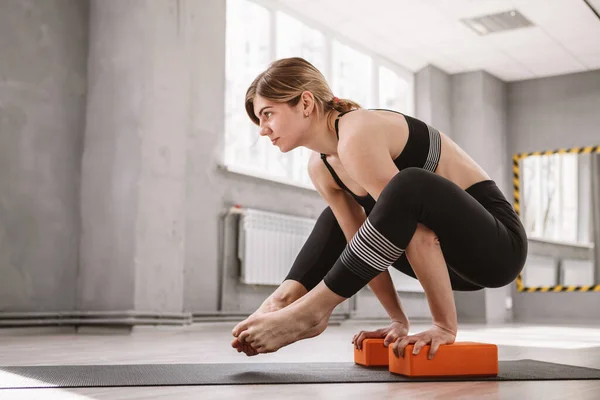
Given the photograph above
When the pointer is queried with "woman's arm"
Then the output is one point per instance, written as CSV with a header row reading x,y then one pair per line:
x,y
351,216
386,293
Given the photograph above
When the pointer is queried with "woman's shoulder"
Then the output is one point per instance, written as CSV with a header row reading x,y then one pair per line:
x,y
356,115
360,127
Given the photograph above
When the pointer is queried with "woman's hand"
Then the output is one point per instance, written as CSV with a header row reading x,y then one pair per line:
x,y
435,336
390,334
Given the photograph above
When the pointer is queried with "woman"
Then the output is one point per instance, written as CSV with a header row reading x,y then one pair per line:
x,y
400,193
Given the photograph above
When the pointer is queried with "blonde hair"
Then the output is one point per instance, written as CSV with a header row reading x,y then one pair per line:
x,y
286,79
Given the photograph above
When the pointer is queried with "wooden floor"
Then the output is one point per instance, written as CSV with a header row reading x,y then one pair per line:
x,y
207,343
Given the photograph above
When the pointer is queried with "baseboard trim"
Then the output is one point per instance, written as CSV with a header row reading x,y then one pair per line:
x,y
91,318
236,317
121,318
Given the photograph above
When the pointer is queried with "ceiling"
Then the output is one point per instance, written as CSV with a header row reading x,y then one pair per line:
x,y
565,37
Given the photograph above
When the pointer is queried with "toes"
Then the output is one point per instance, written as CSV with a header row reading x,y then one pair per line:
x,y
247,349
239,328
264,350
245,337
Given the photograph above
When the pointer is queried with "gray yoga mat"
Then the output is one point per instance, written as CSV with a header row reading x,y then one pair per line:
x,y
70,376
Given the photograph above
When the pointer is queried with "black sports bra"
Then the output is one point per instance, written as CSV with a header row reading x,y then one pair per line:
x,y
422,150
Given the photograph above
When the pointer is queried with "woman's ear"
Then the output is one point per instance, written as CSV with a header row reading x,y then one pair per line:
x,y
308,102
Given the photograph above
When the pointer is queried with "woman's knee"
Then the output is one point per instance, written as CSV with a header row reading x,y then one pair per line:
x,y
410,177
409,186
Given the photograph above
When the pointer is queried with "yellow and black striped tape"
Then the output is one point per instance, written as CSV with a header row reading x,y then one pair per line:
x,y
516,193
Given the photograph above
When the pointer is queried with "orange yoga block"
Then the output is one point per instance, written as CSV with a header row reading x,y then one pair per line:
x,y
457,359
372,354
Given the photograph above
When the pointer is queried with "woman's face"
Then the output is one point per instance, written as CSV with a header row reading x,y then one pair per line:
x,y
285,126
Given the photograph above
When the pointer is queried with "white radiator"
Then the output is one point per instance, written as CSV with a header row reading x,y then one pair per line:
x,y
268,245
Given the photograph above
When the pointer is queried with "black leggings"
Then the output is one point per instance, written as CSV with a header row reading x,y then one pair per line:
x,y
481,237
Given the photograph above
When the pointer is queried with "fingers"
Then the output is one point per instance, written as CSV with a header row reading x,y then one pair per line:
x,y
390,338
421,340
418,346
358,339
435,345
361,336
401,344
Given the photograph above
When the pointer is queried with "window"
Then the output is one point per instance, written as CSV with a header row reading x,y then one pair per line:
x,y
351,71
295,39
258,34
555,197
248,52
394,91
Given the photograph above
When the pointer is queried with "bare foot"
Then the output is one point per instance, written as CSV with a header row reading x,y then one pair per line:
x,y
270,305
268,333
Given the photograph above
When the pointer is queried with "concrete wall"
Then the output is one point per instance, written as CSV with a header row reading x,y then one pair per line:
x,y
133,167
555,112
433,97
546,114
479,126
43,52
